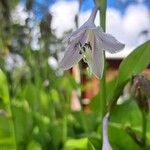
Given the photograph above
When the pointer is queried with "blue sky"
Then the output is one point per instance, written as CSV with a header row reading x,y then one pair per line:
x,y
41,6
125,20
117,4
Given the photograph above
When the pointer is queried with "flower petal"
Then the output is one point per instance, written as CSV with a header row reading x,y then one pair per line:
x,y
108,42
74,37
71,57
95,58
98,59
98,63
87,25
106,145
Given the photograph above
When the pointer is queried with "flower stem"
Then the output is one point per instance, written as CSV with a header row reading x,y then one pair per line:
x,y
103,80
103,89
103,13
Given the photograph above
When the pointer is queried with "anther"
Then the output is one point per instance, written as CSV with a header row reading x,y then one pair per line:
x,y
89,45
80,44
80,52
83,48
86,44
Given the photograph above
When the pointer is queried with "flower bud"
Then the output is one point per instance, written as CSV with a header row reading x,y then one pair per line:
x,y
140,89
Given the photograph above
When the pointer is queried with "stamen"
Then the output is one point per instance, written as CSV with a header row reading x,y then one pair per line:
x,y
80,52
80,44
88,45
83,48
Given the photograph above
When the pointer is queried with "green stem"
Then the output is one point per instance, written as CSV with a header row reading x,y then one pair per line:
x,y
13,126
103,13
144,126
103,90
65,128
103,80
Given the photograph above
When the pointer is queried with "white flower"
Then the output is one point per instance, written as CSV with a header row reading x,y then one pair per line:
x,y
88,42
106,145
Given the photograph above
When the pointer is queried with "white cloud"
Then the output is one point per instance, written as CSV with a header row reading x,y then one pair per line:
x,y
63,16
114,23
126,28
136,19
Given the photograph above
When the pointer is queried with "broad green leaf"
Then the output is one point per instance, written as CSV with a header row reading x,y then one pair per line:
x,y
127,113
134,63
96,141
120,140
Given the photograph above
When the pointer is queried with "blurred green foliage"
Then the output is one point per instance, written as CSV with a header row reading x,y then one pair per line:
x,y
35,98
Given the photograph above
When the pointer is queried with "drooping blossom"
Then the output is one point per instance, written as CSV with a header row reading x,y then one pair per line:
x,y
89,42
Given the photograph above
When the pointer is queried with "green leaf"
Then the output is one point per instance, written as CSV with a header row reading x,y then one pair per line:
x,y
56,132
4,94
134,63
120,140
79,144
34,145
7,138
22,121
31,93
127,114
86,121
